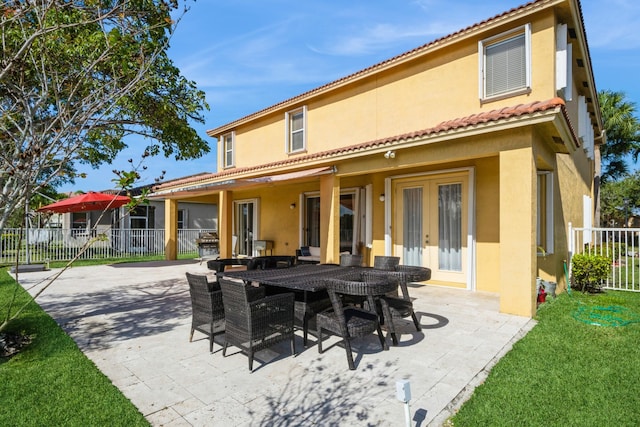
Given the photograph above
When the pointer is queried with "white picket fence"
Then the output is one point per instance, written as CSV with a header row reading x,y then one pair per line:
x,y
57,244
619,244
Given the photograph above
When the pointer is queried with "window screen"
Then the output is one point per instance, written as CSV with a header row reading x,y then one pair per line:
x,y
505,66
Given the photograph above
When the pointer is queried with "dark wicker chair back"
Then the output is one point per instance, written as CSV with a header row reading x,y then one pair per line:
x,y
349,321
349,260
220,264
386,262
271,261
253,321
206,307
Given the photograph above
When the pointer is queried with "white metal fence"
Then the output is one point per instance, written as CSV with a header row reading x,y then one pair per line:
x,y
619,244
57,244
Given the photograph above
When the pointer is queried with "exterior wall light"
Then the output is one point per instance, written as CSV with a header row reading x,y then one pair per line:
x,y
381,197
292,206
390,154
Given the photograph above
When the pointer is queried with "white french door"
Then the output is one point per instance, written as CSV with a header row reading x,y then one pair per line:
x,y
430,224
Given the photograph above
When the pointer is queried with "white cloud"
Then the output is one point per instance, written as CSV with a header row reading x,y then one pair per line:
x,y
381,36
612,24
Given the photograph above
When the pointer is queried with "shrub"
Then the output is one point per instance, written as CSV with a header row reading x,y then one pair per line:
x,y
589,271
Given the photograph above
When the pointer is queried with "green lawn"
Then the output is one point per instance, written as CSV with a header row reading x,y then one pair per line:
x,y
102,261
627,275
567,371
51,382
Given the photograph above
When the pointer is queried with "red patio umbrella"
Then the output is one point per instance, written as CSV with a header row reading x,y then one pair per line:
x,y
90,201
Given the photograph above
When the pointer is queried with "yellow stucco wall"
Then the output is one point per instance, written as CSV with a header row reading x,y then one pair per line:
x,y
418,94
488,224
440,88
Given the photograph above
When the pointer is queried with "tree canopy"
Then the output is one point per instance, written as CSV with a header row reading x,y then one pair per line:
x,y
79,76
623,134
619,200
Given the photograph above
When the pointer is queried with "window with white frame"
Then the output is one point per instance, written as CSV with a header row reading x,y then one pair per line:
x,y
544,229
296,132
505,63
228,145
182,219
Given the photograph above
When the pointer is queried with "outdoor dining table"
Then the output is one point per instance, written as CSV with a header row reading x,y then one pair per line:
x,y
306,278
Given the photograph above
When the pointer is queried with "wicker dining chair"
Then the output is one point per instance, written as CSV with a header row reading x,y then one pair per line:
x,y
349,260
349,321
255,321
400,306
206,307
386,262
220,264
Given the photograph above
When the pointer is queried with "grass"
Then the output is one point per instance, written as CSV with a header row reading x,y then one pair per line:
x,y
627,275
567,371
102,261
51,382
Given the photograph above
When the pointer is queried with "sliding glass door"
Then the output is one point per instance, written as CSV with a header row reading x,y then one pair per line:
x,y
348,221
245,226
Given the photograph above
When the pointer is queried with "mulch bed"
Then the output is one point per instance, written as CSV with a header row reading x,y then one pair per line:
x,y
11,344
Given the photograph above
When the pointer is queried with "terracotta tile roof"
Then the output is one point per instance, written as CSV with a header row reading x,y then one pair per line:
x,y
384,64
483,118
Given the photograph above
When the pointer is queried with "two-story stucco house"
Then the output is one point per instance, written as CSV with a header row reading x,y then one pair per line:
x,y
468,155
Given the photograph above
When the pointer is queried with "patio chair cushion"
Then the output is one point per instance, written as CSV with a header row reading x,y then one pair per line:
x,y
304,251
308,254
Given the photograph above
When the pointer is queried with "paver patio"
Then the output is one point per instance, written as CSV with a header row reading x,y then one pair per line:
x,y
133,321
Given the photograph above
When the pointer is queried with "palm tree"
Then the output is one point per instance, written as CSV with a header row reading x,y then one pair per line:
x,y
623,134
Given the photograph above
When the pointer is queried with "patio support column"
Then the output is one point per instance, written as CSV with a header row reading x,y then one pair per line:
x,y
225,229
170,229
518,210
329,218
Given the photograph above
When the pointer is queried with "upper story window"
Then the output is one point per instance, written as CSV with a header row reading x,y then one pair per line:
x,y
296,130
228,151
505,63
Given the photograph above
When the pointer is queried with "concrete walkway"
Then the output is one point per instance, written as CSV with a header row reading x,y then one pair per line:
x,y
133,321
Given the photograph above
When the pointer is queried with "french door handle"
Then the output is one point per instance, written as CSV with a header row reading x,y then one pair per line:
x,y
426,239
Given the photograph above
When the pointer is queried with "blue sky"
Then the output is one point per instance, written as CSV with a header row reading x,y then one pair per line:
x,y
247,55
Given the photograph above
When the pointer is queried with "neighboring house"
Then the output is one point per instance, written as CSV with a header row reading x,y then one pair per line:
x,y
469,155
149,216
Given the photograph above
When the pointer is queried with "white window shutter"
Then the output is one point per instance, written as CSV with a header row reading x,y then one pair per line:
x,y
582,111
568,91
564,64
286,132
481,93
587,218
585,131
